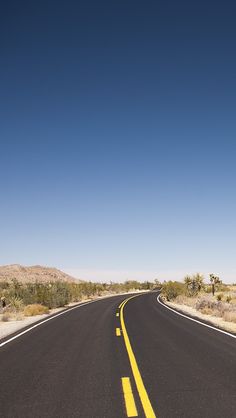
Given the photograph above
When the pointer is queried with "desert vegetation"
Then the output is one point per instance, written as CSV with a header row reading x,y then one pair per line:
x,y
210,298
26,299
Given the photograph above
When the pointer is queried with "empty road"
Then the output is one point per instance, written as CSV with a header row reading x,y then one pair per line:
x,y
111,359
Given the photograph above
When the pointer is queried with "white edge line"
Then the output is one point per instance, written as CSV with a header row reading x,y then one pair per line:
x,y
195,320
55,316
43,322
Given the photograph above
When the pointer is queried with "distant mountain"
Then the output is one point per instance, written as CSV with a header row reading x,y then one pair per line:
x,y
34,273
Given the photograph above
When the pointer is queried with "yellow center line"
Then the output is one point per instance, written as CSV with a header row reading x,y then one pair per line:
x,y
118,333
129,397
121,303
131,297
147,407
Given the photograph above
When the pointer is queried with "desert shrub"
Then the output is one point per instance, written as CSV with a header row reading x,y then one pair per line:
x,y
206,302
52,295
172,289
206,311
185,300
222,287
208,305
35,309
59,294
228,298
219,296
15,304
229,316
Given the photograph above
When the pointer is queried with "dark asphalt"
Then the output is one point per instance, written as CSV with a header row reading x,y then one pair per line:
x,y
72,365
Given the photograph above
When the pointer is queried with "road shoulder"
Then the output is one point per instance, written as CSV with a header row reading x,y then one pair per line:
x,y
211,320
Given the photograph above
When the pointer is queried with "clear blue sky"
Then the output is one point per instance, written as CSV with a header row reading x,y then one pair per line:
x,y
117,133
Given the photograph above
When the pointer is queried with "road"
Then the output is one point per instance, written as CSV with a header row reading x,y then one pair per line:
x,y
105,361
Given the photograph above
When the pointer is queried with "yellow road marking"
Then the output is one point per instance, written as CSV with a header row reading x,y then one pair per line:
x,y
117,314
129,397
125,300
147,407
118,333
121,303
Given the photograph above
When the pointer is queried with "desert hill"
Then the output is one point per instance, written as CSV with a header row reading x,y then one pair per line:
x,y
34,273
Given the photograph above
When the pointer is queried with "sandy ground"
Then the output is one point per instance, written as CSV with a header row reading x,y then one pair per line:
x,y
214,320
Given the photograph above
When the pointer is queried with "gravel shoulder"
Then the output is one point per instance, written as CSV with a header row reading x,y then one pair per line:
x,y
214,320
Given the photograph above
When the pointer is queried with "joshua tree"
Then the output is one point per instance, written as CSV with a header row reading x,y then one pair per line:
x,y
188,283
214,281
199,278
194,283
157,284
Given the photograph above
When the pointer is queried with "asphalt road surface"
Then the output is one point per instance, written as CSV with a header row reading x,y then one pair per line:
x,y
106,360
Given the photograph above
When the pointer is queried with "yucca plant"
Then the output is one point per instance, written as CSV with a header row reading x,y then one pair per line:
x,y
15,304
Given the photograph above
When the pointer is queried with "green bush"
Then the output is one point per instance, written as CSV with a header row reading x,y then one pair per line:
x,y
58,294
172,289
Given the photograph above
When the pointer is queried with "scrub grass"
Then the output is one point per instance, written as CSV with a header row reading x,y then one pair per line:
x,y
35,309
222,305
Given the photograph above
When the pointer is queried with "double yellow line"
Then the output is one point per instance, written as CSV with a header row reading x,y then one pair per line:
x,y
145,401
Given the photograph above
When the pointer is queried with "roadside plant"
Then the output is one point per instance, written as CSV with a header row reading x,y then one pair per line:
x,y
35,309
172,289
193,284
215,280
15,304
228,299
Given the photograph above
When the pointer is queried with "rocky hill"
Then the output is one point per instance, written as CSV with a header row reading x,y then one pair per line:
x,y
34,273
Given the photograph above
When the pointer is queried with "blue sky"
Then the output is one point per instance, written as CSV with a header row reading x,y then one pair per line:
x,y
117,137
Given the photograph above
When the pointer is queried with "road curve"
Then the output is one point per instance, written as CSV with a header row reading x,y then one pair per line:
x,y
80,365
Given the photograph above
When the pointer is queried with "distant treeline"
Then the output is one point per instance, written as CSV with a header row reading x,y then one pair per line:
x,y
57,294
